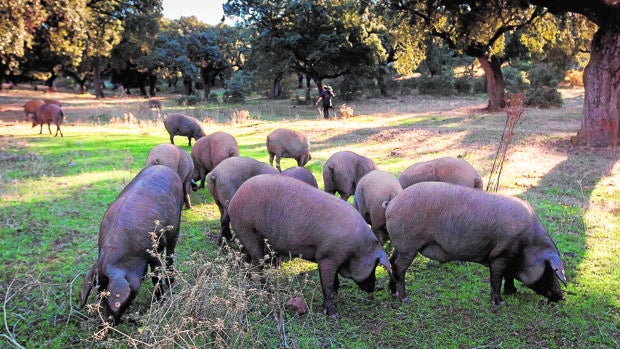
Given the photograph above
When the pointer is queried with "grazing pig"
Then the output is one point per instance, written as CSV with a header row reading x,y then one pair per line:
x,y
208,152
177,159
224,181
285,143
46,114
301,173
343,170
31,107
145,215
301,221
448,222
183,125
373,190
447,169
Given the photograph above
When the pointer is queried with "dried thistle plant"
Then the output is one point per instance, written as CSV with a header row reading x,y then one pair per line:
x,y
514,110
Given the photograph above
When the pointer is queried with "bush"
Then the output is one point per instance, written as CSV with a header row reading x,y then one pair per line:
x,y
462,85
212,98
544,97
440,85
541,75
187,100
480,85
514,79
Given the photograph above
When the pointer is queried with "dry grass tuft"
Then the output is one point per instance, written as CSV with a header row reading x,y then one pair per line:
x,y
218,302
240,116
344,112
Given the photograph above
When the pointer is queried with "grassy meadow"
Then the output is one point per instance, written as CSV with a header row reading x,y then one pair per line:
x,y
54,192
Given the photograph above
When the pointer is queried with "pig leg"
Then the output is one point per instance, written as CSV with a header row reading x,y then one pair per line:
x,y
509,284
49,129
328,274
41,130
400,261
497,268
224,227
278,158
186,189
271,156
190,141
172,138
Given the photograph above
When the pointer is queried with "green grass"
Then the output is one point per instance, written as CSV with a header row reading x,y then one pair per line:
x,y
54,192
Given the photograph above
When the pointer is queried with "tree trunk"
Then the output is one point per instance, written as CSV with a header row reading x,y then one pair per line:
x,y
381,82
600,126
495,82
275,94
97,81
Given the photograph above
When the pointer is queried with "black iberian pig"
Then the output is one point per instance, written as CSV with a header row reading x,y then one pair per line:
x,y
177,159
183,125
208,152
285,143
446,169
343,170
375,188
224,181
448,222
146,212
300,221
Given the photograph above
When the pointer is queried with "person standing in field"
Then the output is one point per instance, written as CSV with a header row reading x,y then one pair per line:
x,y
326,97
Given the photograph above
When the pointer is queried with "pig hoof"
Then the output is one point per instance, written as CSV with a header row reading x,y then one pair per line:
x,y
406,300
335,316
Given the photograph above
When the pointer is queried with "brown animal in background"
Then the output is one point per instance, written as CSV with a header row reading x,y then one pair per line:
x,y
343,170
447,169
31,107
208,152
301,173
224,181
46,114
177,159
285,143
372,194
183,125
448,222
145,214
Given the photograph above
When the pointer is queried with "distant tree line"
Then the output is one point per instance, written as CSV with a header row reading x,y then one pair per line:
x,y
356,45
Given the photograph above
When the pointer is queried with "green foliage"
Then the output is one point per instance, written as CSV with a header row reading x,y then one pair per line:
x,y
440,85
463,85
543,97
514,79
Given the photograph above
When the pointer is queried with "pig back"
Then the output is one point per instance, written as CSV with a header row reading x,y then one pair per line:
x,y
154,195
222,146
468,224
446,169
298,219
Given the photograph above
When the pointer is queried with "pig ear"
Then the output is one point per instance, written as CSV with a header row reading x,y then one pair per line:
x,y
558,267
86,287
119,293
385,262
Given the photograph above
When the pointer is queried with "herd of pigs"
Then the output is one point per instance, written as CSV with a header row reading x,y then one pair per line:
x,y
437,208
